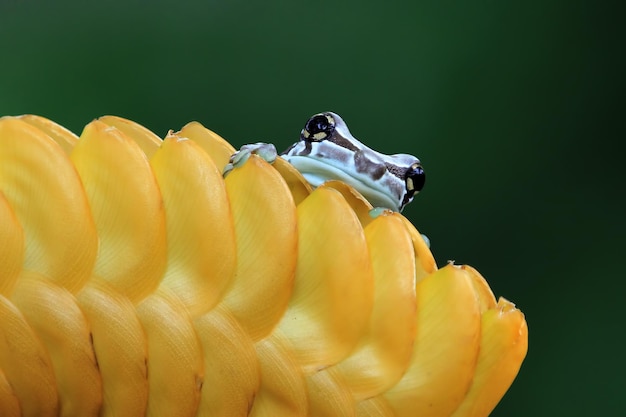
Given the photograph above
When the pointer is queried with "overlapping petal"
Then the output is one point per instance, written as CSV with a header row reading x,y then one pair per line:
x,y
266,234
333,294
9,404
46,195
11,247
201,251
132,240
134,279
26,364
120,345
57,320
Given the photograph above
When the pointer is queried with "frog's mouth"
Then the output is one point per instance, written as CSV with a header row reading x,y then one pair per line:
x,y
318,172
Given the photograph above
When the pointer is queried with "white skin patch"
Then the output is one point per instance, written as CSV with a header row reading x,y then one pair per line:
x,y
332,153
379,177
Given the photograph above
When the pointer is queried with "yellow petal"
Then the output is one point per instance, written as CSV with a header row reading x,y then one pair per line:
x,y
66,139
486,299
217,148
503,347
425,262
11,247
47,197
175,366
446,346
231,378
121,348
329,396
374,407
384,351
9,404
146,139
283,389
200,231
334,288
26,364
266,234
61,326
358,203
127,208
300,188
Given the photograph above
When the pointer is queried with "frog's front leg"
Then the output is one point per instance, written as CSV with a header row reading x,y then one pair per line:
x,y
267,151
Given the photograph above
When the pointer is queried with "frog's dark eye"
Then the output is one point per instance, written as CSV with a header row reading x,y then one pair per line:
x,y
318,128
414,178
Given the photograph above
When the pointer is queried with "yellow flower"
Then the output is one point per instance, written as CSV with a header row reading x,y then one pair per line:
x,y
134,279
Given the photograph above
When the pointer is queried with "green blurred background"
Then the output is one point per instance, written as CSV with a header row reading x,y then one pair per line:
x,y
513,108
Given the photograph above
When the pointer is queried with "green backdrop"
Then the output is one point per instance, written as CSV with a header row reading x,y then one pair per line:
x,y
513,108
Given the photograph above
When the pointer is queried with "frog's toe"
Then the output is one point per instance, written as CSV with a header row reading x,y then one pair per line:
x,y
229,167
266,151
377,211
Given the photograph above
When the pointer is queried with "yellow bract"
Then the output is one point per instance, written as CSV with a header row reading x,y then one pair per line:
x,y
135,280
265,232
120,345
46,196
201,251
384,350
131,232
333,293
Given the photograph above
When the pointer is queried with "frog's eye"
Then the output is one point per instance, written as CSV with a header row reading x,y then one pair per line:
x,y
414,179
319,127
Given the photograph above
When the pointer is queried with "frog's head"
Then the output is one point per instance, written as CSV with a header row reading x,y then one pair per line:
x,y
327,150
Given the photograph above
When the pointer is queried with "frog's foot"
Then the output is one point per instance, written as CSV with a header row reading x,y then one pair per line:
x,y
266,151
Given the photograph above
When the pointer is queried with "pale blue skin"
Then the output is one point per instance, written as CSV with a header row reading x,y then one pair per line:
x,y
381,179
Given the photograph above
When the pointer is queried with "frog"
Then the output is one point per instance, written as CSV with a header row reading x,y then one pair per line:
x,y
328,151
